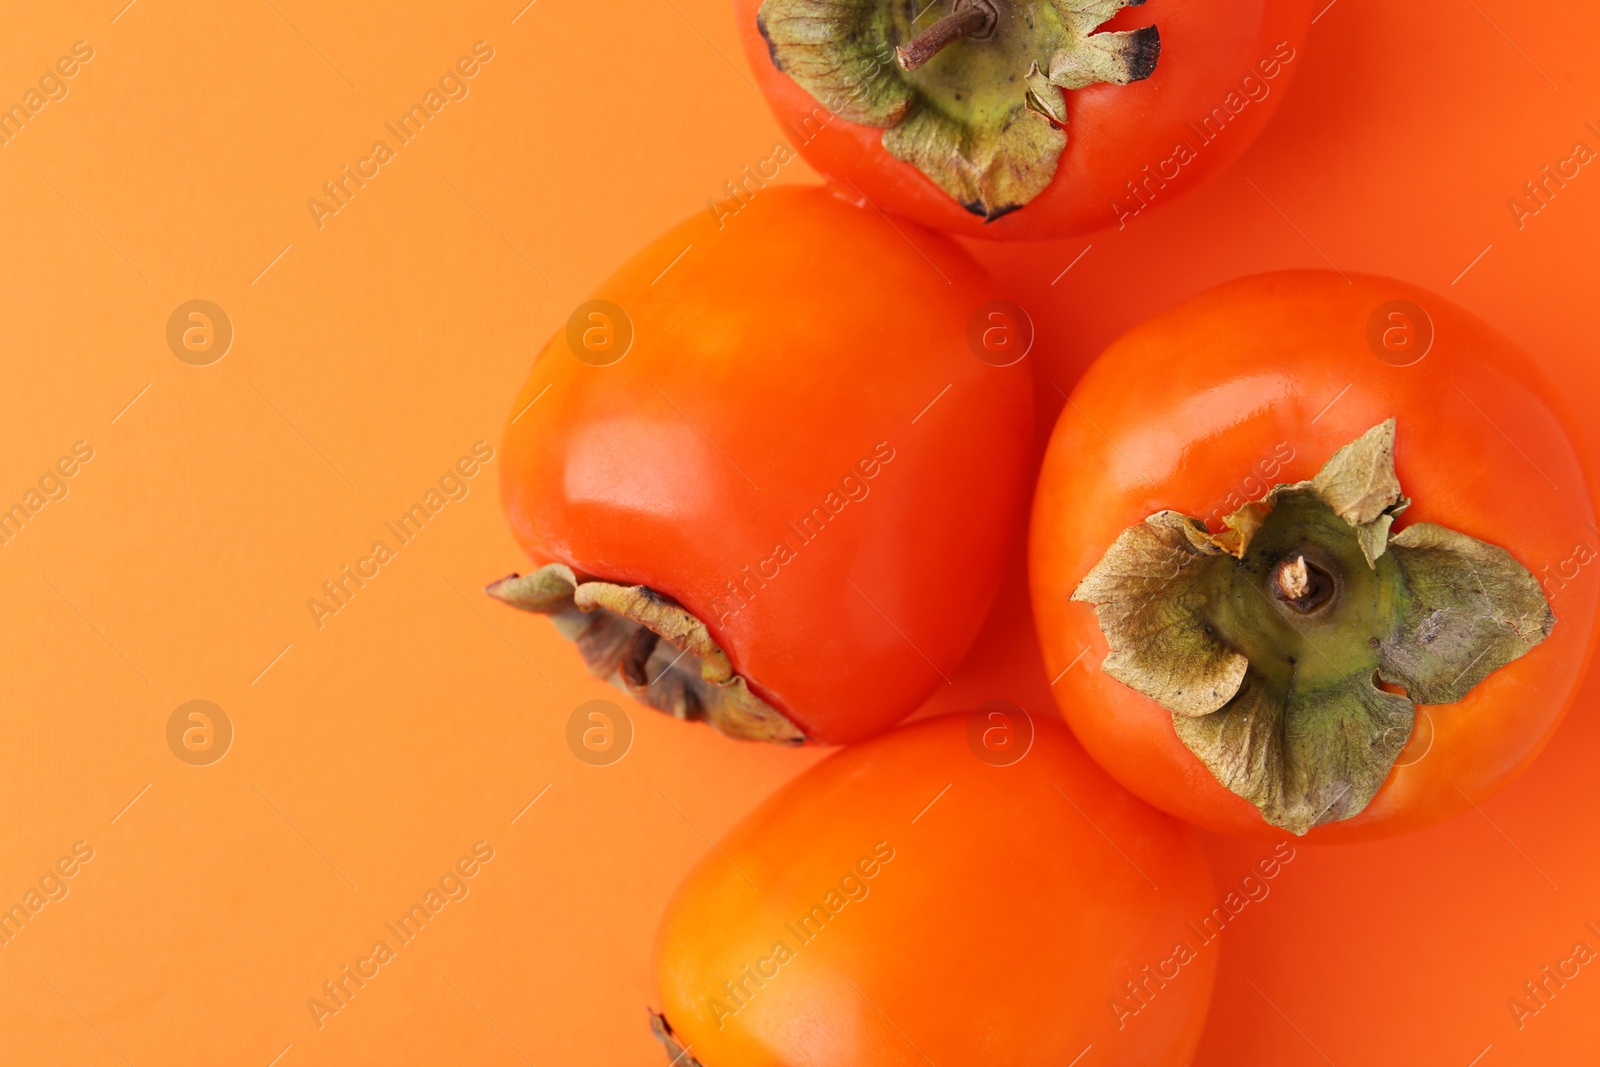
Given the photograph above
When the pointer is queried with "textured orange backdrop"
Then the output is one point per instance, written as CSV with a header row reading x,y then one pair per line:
x,y
375,346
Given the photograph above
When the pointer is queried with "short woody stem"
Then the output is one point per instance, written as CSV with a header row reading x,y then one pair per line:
x,y
1301,585
973,18
1294,578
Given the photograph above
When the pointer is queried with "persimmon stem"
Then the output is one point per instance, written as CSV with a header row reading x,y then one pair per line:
x,y
1303,586
972,18
1294,579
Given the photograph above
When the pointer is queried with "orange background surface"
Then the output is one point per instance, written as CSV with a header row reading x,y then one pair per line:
x,y
370,353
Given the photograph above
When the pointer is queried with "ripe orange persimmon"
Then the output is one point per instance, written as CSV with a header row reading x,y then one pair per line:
x,y
1039,118
1300,554
772,470
933,896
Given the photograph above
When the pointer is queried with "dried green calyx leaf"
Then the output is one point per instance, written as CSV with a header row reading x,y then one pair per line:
x,y
1143,589
984,118
1267,641
662,1031
1472,609
650,646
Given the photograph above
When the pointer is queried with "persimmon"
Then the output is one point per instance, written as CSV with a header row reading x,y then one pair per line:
x,y
770,473
1294,558
912,899
1023,119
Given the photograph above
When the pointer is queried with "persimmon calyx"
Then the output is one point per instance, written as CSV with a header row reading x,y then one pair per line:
x,y
1267,640
650,646
661,1030
971,97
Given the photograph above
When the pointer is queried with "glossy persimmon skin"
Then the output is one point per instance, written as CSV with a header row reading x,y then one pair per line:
x,y
1187,411
1015,903
774,368
1208,49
